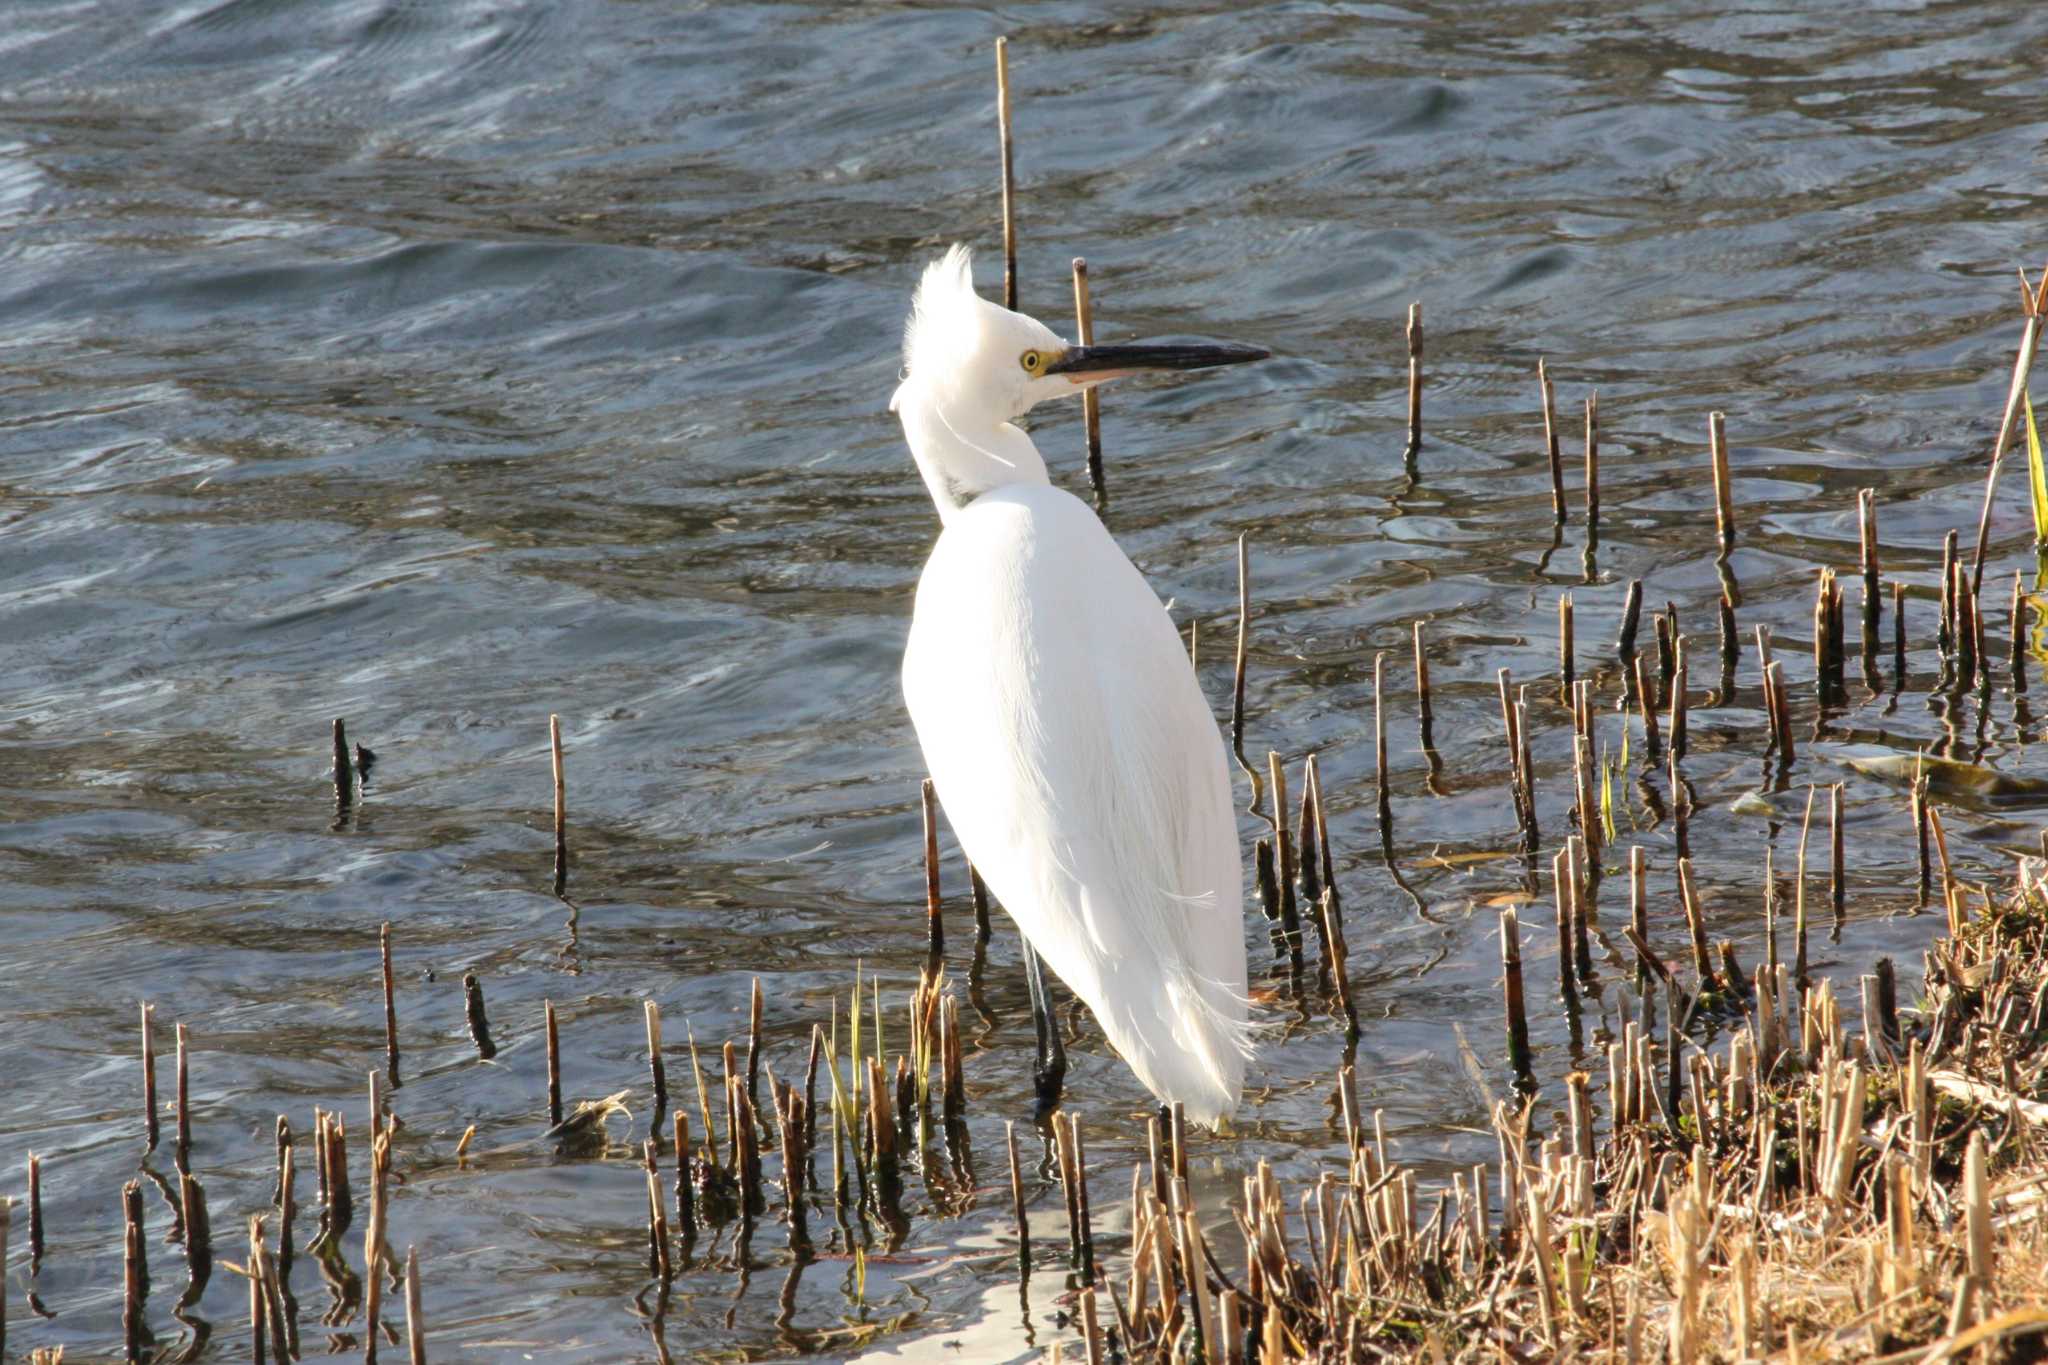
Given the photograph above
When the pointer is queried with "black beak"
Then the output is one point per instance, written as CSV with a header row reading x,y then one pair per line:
x,y
1122,359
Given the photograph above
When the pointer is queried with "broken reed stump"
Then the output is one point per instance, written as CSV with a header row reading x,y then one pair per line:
x,y
1519,1056
134,1271
1550,441
344,771
35,1216
1023,1219
1414,335
390,1003
754,1044
2019,636
1866,529
473,1008
1676,726
1625,639
181,1155
657,1071
1724,494
1647,705
285,1202
554,1052
934,910
1009,174
1284,869
561,806
1244,619
1379,748
1091,396
686,1204
149,1101
1565,670
1425,712
1836,866
1566,893
415,1319
1898,636
1592,461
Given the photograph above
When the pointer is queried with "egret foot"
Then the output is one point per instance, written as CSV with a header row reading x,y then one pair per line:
x,y
1049,1067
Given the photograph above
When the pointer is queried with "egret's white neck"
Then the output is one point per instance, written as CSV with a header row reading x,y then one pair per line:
x,y
963,450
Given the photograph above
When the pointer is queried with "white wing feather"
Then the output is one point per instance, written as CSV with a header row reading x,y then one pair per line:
x,y
1083,772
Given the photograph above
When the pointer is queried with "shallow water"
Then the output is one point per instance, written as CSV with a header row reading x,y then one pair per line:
x,y
444,366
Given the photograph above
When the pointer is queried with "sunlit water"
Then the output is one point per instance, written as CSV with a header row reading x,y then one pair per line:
x,y
444,366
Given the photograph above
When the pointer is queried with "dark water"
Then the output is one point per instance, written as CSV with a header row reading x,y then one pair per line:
x,y
442,366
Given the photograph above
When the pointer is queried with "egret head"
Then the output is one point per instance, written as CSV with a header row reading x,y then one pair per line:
x,y
971,367
979,358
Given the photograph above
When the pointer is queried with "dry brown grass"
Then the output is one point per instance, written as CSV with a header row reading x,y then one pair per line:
x,y
1814,1194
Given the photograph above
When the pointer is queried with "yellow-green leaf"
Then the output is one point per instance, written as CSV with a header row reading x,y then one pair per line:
x,y
2038,476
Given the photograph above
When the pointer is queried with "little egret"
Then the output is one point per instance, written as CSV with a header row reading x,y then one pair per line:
x,y
1062,724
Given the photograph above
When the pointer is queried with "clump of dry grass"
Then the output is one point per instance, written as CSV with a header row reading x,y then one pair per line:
x,y
1803,1192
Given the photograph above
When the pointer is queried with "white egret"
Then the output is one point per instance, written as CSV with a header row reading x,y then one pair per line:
x,y
1062,724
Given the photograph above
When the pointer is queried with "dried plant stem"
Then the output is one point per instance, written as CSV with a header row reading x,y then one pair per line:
x,y
1724,494
1414,335
934,908
1592,460
390,1002
1550,440
561,806
1009,174
2022,367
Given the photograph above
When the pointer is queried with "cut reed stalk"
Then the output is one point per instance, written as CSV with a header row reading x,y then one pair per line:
x,y
1565,671
2019,636
1023,1218
934,908
685,1192
1284,869
1592,461
182,1154
473,1008
1009,174
149,1102
1625,639
35,1216
1837,878
1550,440
1414,335
657,1071
1678,701
344,771
390,1002
1647,705
1425,712
1379,741
561,806
1724,495
1898,636
554,1051
134,1272
415,1319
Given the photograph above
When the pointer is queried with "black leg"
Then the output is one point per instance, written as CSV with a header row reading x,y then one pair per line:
x,y
1050,1068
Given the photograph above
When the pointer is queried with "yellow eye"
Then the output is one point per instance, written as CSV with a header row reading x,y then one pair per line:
x,y
1033,361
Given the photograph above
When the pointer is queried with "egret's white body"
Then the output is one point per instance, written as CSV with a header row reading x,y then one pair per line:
x,y
1061,721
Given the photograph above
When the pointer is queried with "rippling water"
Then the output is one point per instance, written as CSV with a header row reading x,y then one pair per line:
x,y
442,366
